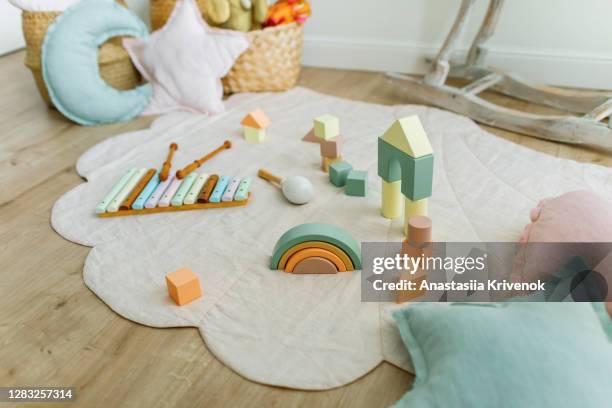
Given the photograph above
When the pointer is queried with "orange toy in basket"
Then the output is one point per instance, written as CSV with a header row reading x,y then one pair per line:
x,y
288,11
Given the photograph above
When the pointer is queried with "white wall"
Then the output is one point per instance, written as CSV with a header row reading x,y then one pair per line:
x,y
565,42
561,42
11,37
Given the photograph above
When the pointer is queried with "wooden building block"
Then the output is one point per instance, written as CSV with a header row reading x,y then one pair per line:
x,y
416,174
328,161
333,147
307,253
183,286
316,244
254,135
413,208
256,119
317,233
419,230
357,183
391,197
326,127
338,172
420,184
407,134
311,138
315,265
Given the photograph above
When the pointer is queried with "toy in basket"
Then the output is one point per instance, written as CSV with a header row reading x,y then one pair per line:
x,y
142,191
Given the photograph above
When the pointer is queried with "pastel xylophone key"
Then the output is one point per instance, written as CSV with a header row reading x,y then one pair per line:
x,y
125,191
101,208
194,191
169,193
215,197
228,195
188,181
129,200
208,188
243,189
158,193
146,192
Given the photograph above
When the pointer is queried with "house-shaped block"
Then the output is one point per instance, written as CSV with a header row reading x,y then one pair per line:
x,y
254,125
405,153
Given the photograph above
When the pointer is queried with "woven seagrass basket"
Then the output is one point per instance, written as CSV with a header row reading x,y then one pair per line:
x,y
272,62
115,65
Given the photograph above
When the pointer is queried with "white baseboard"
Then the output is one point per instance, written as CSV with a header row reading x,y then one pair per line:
x,y
546,67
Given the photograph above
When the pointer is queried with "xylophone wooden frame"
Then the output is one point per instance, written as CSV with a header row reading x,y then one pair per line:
x,y
184,207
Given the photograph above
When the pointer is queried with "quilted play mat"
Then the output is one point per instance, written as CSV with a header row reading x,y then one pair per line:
x,y
299,331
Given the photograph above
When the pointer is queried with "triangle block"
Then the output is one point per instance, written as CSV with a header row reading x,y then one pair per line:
x,y
256,119
311,137
407,135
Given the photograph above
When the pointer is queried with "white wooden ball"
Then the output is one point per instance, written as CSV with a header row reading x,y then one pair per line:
x,y
297,189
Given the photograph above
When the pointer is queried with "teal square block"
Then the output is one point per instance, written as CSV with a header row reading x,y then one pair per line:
x,y
338,172
357,183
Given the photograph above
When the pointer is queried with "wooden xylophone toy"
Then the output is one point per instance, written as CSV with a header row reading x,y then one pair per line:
x,y
142,191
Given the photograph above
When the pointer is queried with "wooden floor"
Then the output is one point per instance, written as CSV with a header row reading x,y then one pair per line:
x,y
55,332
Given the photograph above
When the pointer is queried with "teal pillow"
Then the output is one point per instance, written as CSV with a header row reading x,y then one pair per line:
x,y
519,354
70,63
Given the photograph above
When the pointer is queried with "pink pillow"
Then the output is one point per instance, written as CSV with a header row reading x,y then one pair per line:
x,y
576,217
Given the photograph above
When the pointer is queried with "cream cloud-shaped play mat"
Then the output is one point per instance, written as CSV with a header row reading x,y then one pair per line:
x,y
311,331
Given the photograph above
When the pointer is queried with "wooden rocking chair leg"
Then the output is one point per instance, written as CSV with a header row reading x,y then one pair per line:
x,y
601,112
478,52
587,129
441,65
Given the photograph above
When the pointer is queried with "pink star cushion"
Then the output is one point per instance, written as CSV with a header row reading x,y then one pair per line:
x,y
185,61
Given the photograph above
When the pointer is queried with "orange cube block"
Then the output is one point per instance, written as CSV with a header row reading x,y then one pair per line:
x,y
183,286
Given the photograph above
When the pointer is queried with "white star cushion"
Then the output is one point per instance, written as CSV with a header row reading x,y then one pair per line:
x,y
185,61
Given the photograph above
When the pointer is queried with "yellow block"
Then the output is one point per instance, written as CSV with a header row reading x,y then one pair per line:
x,y
254,135
412,208
391,206
408,135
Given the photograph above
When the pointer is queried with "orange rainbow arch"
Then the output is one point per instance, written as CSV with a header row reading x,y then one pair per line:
x,y
316,248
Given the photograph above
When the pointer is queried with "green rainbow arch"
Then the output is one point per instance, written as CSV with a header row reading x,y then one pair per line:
x,y
317,232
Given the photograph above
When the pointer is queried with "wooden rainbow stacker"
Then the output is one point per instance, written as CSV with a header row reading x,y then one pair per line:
x,y
142,191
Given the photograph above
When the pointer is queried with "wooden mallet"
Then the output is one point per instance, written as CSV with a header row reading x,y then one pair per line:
x,y
165,170
188,169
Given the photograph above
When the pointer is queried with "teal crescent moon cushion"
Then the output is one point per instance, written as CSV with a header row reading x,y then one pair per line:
x,y
516,354
70,63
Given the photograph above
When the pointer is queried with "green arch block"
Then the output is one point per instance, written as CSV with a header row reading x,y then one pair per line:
x,y
416,174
